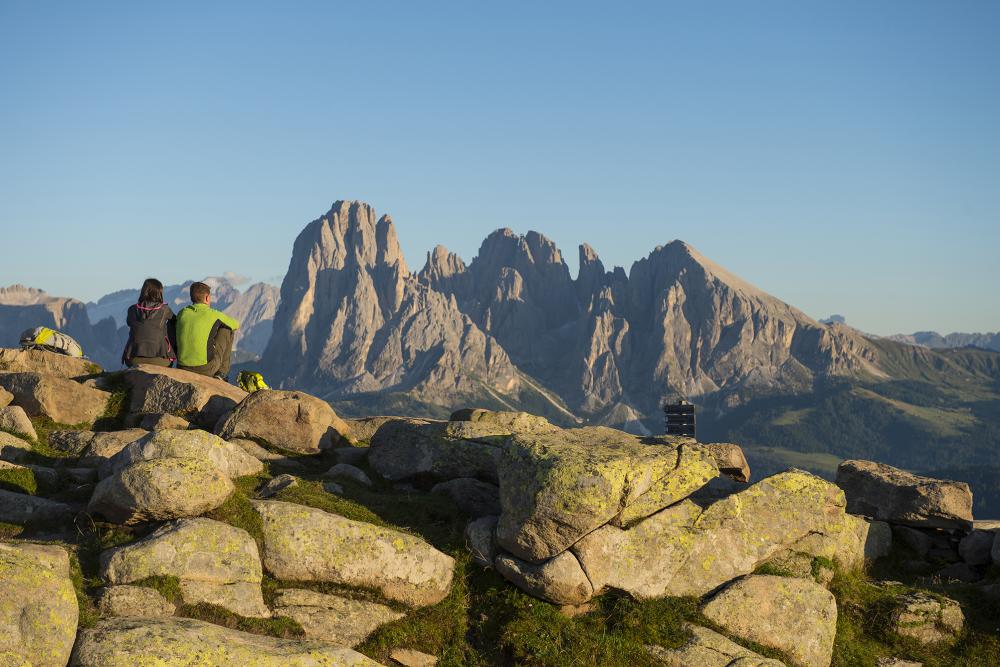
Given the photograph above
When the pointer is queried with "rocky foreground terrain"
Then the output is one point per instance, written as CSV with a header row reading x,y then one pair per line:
x,y
155,517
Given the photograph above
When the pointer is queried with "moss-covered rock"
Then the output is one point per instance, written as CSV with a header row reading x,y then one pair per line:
x,y
333,618
38,607
214,562
306,544
127,642
15,360
559,580
407,448
231,460
161,490
558,486
133,601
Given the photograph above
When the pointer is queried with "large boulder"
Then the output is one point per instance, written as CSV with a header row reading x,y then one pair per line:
x,y
24,510
730,460
197,398
45,362
230,459
849,540
333,618
927,619
13,448
489,425
161,490
795,616
557,487
306,544
361,430
890,494
288,420
127,642
61,400
976,547
38,608
94,446
708,648
14,418
134,601
407,448
215,563
559,580
687,550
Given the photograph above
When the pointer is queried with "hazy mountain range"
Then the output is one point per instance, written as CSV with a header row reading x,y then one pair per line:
x,y
513,329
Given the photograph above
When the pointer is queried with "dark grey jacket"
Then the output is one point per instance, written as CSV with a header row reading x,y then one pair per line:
x,y
150,332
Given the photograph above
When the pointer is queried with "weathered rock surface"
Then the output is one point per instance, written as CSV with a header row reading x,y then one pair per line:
x,y
38,608
276,484
472,496
708,648
256,451
62,400
94,446
215,562
306,544
13,448
24,510
730,460
14,418
161,490
133,601
795,616
481,539
230,459
408,657
849,540
889,494
289,420
333,618
559,580
5,397
362,430
197,398
127,642
928,619
354,456
45,362
490,425
161,421
404,448
347,471
976,547
557,487
685,550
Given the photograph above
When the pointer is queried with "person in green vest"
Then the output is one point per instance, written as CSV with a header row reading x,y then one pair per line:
x,y
204,336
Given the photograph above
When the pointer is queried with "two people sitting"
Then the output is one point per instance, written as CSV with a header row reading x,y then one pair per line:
x,y
198,338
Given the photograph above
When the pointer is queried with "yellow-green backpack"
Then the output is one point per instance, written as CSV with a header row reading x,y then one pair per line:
x,y
251,382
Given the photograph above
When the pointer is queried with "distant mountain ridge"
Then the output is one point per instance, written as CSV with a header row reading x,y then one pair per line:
x,y
934,340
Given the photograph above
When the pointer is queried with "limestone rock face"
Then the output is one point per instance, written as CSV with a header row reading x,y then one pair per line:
x,y
890,494
62,400
382,330
792,615
126,642
24,510
197,398
557,487
687,550
160,490
230,459
14,418
289,420
46,363
38,608
559,580
133,601
215,562
708,648
405,448
306,544
928,619
333,618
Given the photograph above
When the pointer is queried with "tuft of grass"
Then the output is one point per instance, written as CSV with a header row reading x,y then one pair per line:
x,y
117,407
166,585
237,510
10,530
276,626
81,585
20,480
773,570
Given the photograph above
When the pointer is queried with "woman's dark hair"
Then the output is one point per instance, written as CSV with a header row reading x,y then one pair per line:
x,y
152,291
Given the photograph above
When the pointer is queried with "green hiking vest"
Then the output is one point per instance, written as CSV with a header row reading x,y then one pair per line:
x,y
195,325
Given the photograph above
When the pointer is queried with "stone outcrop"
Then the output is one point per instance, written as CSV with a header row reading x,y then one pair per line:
x,y
133,601
94,446
24,510
559,580
889,494
63,401
306,544
730,460
229,459
14,418
472,496
927,619
288,420
795,616
406,448
215,563
555,488
199,399
46,363
160,490
126,642
38,608
13,448
708,648
333,618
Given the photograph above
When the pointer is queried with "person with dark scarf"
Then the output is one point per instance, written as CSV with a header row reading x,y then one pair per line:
x,y
151,338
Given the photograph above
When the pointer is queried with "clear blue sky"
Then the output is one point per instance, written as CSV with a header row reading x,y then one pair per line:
x,y
844,156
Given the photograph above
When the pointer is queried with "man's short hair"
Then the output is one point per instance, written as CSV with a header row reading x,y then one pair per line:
x,y
199,292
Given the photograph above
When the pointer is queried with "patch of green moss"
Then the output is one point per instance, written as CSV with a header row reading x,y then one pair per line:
x,y
276,626
773,570
88,610
820,563
166,585
10,530
20,480
237,510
